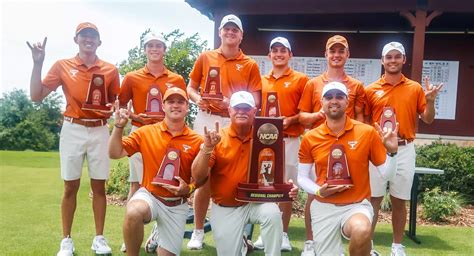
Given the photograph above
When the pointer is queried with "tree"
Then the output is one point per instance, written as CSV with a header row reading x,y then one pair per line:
x,y
28,125
180,56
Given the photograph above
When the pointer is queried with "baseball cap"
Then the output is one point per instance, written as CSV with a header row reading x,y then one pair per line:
x,y
334,86
393,46
231,18
242,97
337,39
85,25
282,41
173,91
153,36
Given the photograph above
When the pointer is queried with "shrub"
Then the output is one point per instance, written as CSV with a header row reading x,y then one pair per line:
x,y
437,204
117,184
457,163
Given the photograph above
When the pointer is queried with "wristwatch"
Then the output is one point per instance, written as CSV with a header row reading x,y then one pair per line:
x,y
205,150
392,154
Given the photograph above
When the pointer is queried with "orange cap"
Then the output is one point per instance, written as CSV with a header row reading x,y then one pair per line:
x,y
85,25
173,91
337,39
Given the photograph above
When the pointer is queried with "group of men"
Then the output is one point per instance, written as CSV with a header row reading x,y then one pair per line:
x,y
212,161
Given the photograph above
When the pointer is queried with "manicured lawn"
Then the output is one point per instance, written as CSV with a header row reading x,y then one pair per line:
x,y
30,196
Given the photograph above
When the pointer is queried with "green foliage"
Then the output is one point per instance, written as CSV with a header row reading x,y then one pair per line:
x,y
437,204
386,204
117,184
27,125
180,56
457,163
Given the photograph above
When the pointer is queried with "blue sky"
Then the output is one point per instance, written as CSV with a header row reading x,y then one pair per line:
x,y
120,22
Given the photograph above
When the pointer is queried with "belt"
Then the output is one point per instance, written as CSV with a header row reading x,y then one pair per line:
x,y
172,203
403,142
86,123
228,206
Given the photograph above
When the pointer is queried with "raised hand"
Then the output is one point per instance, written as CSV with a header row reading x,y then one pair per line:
x,y
38,50
431,91
389,137
122,115
211,137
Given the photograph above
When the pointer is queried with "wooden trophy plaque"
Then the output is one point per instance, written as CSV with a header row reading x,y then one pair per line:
x,y
272,108
154,101
212,88
388,120
266,167
338,169
96,94
169,168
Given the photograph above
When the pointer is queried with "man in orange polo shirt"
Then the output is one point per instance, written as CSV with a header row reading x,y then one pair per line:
x,y
84,133
289,85
311,112
225,157
409,101
136,86
341,209
238,72
164,202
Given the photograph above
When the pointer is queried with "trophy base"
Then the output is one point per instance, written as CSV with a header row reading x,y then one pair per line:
x,y
159,181
207,96
340,182
156,115
249,192
95,107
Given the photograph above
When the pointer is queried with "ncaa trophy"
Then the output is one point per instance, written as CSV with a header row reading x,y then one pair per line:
x,y
154,102
338,169
272,107
96,94
266,170
388,119
212,87
169,168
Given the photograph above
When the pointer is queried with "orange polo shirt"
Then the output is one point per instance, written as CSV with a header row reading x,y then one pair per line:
x,y
237,74
136,85
406,97
75,77
361,143
229,164
289,87
153,141
311,99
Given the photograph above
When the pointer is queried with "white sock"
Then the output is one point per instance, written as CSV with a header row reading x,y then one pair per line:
x,y
394,245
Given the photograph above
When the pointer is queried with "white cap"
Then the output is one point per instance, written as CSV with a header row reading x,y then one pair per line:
x,y
282,41
334,86
231,18
242,97
393,46
153,36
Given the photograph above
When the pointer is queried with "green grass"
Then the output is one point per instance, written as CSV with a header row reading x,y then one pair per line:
x,y
30,197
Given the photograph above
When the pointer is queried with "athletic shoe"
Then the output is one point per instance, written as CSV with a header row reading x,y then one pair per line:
x,y
398,250
258,245
66,248
123,248
285,243
374,253
197,239
308,249
100,246
151,243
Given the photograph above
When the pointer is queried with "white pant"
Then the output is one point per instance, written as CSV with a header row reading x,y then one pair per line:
x,y
136,164
78,142
327,222
400,185
171,221
228,227
292,146
204,118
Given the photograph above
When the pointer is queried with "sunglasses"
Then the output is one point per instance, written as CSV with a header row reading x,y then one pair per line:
x,y
338,96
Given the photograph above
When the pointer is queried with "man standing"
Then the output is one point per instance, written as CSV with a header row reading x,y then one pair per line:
x,y
225,157
409,101
342,209
166,203
289,85
84,133
311,113
238,72
137,87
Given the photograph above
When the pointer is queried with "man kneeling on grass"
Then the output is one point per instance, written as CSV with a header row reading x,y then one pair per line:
x,y
167,204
